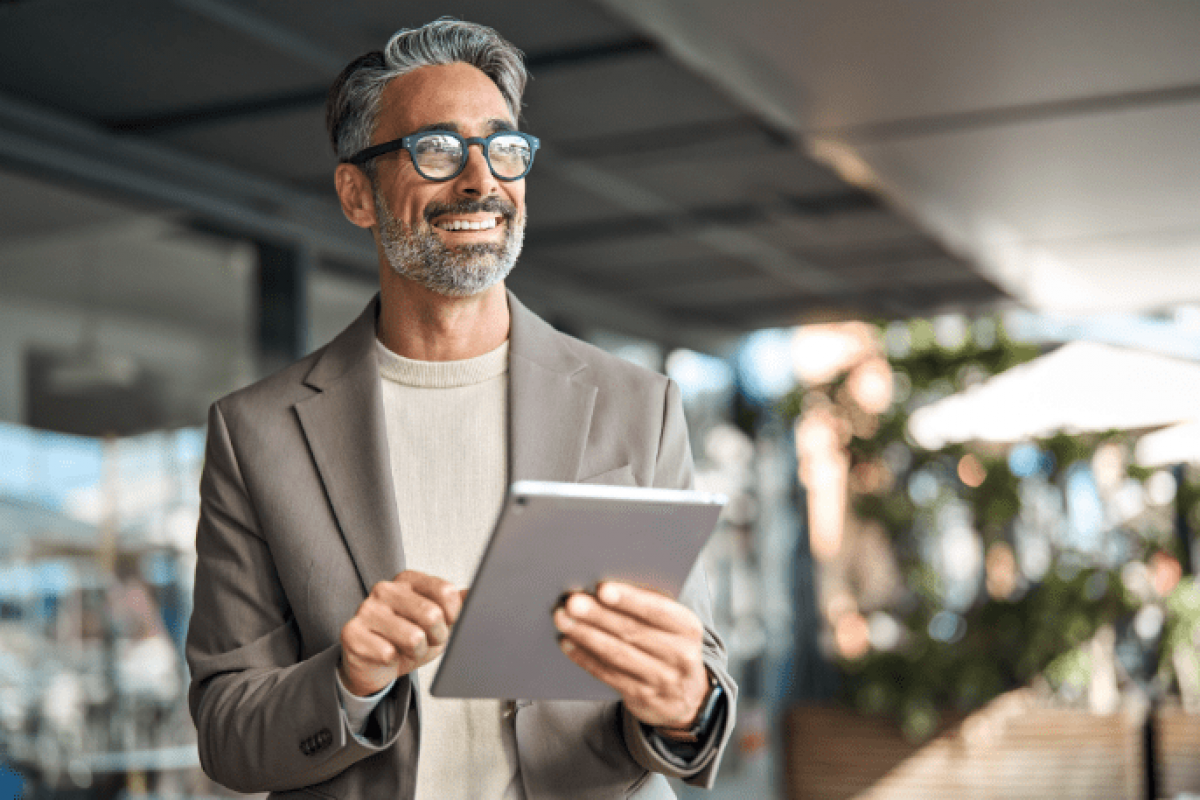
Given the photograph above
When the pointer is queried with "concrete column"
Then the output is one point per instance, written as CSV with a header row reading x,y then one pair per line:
x,y
283,305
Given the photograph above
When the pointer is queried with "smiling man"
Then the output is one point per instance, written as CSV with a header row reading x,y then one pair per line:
x,y
346,500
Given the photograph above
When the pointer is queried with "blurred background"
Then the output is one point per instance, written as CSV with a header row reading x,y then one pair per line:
x,y
928,274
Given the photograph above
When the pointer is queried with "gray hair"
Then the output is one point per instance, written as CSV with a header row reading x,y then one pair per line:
x,y
352,107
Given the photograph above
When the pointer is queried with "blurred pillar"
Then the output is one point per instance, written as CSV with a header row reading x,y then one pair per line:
x,y
1150,751
793,670
1182,527
815,679
283,310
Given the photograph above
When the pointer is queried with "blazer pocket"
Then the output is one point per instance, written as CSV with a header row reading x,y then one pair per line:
x,y
621,476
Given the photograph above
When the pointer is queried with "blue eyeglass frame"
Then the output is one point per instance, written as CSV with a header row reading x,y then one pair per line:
x,y
410,141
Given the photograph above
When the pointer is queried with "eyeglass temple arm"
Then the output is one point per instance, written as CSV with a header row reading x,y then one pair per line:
x,y
366,154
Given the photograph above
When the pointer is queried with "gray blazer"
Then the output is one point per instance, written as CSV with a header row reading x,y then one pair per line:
x,y
298,520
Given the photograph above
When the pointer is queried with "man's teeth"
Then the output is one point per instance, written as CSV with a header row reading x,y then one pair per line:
x,y
465,225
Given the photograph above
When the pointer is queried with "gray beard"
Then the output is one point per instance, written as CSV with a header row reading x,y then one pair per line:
x,y
418,254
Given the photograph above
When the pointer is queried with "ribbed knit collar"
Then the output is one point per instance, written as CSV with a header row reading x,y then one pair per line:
x,y
442,374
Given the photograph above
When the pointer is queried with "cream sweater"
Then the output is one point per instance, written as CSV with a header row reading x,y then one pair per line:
x,y
447,428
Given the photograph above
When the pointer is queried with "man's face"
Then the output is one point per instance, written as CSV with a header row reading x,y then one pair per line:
x,y
423,224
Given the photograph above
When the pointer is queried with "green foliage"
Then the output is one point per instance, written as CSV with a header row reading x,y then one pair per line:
x,y
1002,644
927,365
894,509
1187,499
1005,644
1182,628
995,502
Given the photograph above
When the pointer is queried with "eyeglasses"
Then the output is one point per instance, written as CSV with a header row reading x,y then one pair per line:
x,y
442,155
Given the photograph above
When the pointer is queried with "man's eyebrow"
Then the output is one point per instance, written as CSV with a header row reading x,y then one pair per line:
x,y
493,125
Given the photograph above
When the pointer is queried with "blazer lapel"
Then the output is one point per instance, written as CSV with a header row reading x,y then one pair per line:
x,y
550,401
345,429
550,406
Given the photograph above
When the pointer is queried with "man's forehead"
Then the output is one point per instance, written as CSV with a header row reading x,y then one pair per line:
x,y
451,97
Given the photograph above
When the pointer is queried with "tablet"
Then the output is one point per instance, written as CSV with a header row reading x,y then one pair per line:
x,y
553,538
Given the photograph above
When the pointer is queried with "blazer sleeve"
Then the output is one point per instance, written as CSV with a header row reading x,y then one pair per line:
x,y
674,470
266,719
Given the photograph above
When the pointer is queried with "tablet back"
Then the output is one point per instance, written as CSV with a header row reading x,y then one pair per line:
x,y
552,538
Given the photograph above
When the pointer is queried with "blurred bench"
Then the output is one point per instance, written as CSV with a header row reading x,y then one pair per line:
x,y
1010,749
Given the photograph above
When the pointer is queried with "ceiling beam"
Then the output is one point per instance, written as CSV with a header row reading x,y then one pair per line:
x,y
695,220
218,113
654,143
544,289
589,53
45,144
314,97
268,32
976,119
724,239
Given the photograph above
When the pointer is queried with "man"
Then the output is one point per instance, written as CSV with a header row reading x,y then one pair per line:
x,y
346,500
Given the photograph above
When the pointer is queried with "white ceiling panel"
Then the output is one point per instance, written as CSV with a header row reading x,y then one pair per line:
x,y
860,61
1053,143
1077,176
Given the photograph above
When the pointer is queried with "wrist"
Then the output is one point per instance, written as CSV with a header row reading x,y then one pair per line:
x,y
356,688
702,721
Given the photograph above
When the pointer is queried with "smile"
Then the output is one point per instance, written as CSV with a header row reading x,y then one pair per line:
x,y
468,225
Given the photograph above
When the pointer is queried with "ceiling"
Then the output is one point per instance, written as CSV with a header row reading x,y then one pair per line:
x,y
1054,143
676,198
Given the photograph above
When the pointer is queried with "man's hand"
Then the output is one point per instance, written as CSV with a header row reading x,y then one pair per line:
x,y
403,624
644,645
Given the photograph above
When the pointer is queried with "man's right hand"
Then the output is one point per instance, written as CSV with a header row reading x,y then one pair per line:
x,y
403,624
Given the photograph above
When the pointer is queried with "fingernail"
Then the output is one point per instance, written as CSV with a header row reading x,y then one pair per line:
x,y
579,605
609,593
421,649
562,620
439,633
567,646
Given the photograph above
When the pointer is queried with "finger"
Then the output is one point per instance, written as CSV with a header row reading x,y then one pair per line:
x,y
401,600
440,591
623,682
409,639
361,644
650,607
615,654
654,705
672,647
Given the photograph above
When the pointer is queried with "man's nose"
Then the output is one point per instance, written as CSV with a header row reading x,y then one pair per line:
x,y
476,179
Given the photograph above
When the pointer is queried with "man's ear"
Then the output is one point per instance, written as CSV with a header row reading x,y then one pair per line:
x,y
354,192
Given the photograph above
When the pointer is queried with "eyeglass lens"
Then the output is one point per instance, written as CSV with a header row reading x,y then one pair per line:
x,y
439,156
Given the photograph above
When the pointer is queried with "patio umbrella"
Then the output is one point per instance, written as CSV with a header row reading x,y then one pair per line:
x,y
1178,444
1080,387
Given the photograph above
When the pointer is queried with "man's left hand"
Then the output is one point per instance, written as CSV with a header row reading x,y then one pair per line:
x,y
641,643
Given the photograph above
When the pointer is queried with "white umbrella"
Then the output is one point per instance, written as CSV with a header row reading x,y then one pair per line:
x,y
1081,386
1178,444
